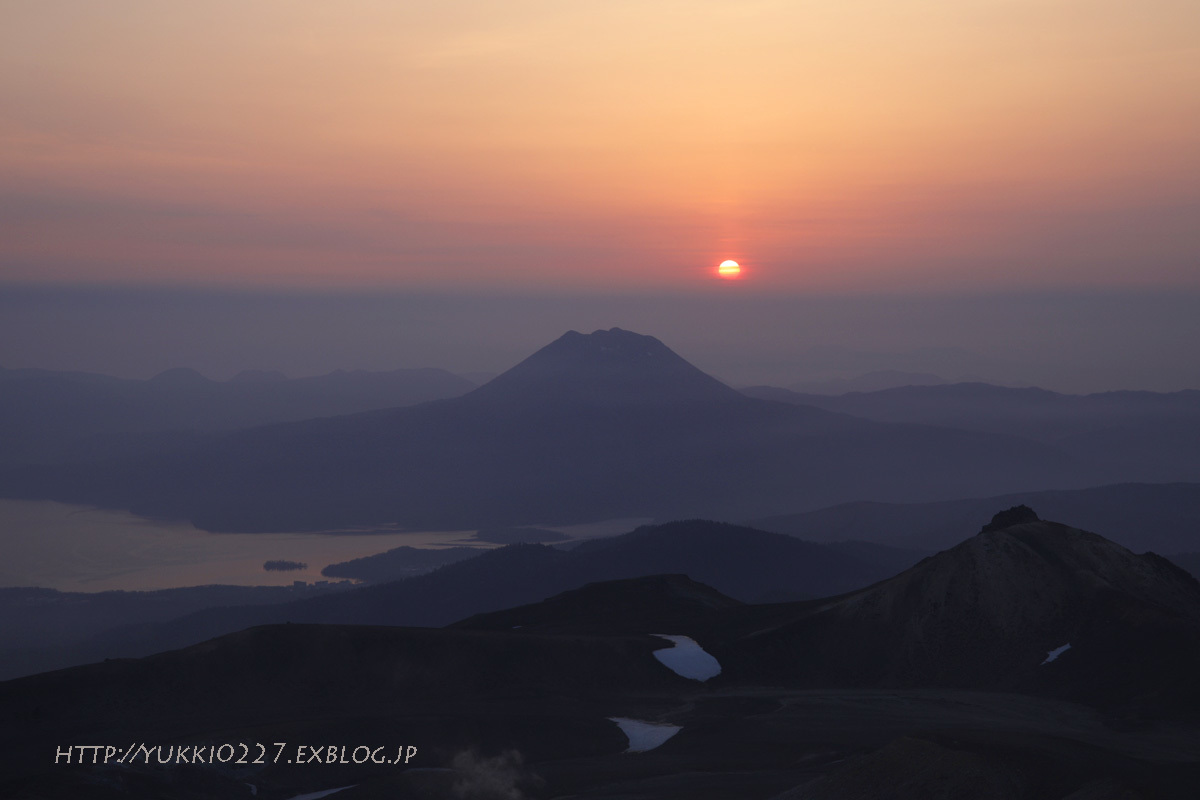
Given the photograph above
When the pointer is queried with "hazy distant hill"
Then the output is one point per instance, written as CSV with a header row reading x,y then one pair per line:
x,y
1164,518
867,382
54,416
747,564
397,563
600,426
1032,412
1125,436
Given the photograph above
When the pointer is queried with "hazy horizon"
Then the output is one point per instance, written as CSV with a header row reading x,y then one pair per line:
x,y
301,188
1080,341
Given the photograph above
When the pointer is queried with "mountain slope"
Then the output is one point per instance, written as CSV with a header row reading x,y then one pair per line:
x,y
989,612
672,603
606,368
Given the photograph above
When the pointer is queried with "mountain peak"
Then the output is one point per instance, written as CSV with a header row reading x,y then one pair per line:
x,y
1017,515
607,367
609,345
1025,573
990,611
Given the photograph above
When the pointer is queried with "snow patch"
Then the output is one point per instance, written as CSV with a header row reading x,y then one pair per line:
x,y
687,658
644,736
1055,653
325,793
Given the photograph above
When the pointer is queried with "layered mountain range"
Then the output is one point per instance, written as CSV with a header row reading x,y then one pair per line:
x,y
1124,435
1032,660
53,417
747,564
607,425
1161,517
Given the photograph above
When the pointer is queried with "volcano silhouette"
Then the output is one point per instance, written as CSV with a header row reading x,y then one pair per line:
x,y
607,425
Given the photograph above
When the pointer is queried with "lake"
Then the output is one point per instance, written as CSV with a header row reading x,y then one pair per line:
x,y
82,549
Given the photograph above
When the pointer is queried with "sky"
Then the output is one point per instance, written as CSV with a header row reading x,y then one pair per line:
x,y
843,151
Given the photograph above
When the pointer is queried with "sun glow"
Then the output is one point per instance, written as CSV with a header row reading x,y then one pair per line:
x,y
729,269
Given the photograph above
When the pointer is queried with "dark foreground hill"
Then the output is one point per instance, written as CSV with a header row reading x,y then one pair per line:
x,y
1036,606
902,690
439,692
601,426
1025,605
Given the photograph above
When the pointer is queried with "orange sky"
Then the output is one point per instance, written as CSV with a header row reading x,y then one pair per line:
x,y
601,144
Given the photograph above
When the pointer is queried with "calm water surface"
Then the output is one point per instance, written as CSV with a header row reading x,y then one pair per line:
x,y
81,549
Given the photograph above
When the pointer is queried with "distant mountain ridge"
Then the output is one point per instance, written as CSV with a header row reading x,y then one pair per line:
x,y
867,382
48,417
600,426
1029,411
1164,518
1125,435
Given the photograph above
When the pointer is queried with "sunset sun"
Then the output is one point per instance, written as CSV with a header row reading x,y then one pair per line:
x,y
729,269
